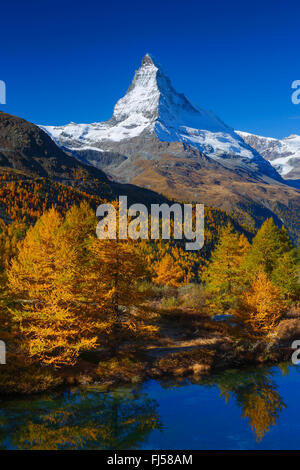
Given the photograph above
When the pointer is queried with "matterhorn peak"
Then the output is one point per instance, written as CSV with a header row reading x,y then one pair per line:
x,y
147,59
151,62
153,109
140,103
152,102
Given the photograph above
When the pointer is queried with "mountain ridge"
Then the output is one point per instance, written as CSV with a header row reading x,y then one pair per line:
x,y
283,154
26,148
168,171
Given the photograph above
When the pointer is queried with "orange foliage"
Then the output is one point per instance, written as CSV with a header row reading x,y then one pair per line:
x,y
261,307
168,273
43,276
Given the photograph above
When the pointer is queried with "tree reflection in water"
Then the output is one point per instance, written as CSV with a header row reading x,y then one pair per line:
x,y
253,390
258,399
79,420
91,418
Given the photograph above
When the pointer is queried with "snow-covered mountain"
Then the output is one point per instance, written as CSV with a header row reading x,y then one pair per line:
x,y
157,139
152,110
283,154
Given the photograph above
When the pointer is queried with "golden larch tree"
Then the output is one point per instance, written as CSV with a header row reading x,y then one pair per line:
x,y
111,288
225,276
260,307
168,272
43,276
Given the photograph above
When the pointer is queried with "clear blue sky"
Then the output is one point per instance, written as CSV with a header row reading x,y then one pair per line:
x,y
68,61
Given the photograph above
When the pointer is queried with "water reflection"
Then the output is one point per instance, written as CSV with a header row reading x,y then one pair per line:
x,y
258,400
79,419
90,418
254,392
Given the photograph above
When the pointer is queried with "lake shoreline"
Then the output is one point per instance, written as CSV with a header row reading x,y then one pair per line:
x,y
194,357
189,345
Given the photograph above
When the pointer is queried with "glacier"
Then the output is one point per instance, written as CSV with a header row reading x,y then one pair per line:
x,y
283,154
